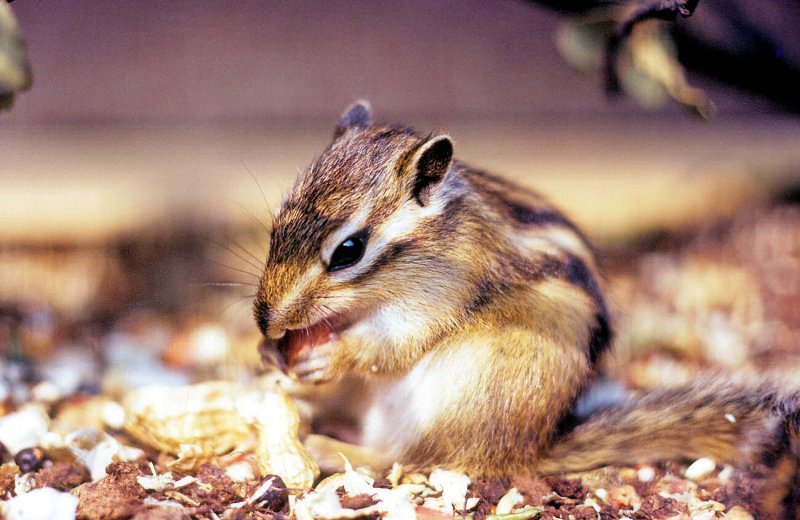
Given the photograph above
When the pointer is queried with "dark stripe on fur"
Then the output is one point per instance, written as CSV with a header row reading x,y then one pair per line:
x,y
544,216
574,271
389,255
452,212
600,337
485,294
537,216
578,274
785,435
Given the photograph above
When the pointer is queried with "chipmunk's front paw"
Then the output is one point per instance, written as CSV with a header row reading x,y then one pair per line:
x,y
314,365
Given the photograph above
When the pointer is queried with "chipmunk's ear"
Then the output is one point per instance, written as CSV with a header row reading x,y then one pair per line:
x,y
358,115
429,164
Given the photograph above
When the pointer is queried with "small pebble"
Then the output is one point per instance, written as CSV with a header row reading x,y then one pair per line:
x,y
29,459
679,487
624,497
240,470
726,473
700,468
46,392
646,473
627,474
41,503
113,415
88,389
276,496
24,428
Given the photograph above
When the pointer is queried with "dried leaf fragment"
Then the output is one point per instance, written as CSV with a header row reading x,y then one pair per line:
x,y
509,501
96,449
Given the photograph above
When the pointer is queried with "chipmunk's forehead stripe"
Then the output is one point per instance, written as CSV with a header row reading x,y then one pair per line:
x,y
361,158
353,178
296,231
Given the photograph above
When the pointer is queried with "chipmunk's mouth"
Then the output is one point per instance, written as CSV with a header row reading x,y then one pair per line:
x,y
296,344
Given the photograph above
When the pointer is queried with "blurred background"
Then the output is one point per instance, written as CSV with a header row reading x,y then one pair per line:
x,y
141,165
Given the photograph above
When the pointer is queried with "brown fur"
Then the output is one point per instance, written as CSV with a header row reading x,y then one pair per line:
x,y
498,283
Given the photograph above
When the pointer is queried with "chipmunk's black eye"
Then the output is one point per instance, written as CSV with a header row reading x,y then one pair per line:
x,y
348,252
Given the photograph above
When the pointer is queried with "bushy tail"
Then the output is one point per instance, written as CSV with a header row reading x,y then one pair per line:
x,y
731,421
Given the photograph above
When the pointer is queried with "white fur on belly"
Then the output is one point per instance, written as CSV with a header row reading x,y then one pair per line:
x,y
405,407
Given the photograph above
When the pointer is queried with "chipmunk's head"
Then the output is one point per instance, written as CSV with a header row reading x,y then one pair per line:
x,y
348,247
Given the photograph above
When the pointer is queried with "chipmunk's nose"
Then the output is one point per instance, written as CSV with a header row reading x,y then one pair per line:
x,y
266,319
262,312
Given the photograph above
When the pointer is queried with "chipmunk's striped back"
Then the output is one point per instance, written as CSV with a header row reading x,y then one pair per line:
x,y
546,247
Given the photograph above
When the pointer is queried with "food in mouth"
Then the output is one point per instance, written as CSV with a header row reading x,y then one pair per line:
x,y
297,343
306,352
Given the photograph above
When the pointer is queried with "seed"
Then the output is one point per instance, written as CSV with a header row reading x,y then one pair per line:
x,y
700,469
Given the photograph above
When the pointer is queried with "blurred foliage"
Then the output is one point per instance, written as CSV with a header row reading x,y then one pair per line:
x,y
15,70
751,46
643,62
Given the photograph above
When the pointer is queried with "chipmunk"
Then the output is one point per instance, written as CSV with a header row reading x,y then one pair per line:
x,y
472,311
